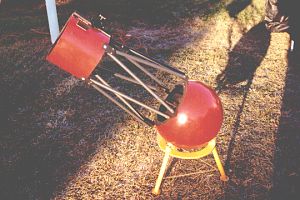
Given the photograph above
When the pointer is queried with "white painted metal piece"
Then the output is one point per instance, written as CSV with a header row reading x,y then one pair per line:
x,y
52,19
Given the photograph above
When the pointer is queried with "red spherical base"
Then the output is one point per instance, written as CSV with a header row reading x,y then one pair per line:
x,y
197,120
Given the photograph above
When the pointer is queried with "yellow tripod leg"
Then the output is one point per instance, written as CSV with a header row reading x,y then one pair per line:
x,y
163,168
223,176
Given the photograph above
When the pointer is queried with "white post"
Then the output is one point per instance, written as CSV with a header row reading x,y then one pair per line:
x,y
52,19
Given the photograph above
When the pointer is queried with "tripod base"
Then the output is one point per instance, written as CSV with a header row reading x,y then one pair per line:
x,y
170,150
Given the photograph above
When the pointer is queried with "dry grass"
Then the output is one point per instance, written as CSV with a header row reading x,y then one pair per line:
x,y
61,140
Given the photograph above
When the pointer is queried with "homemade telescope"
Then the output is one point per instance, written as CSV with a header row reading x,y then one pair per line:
x,y
189,114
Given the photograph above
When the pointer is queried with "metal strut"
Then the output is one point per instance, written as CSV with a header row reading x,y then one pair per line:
x,y
151,64
139,61
143,121
141,82
121,98
129,98
177,72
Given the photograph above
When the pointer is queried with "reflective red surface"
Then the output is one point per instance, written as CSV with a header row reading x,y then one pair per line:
x,y
79,47
198,119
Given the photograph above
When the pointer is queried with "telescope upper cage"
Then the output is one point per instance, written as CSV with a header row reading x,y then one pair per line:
x,y
79,47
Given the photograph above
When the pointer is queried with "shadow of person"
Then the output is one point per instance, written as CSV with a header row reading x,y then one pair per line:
x,y
243,61
245,57
236,6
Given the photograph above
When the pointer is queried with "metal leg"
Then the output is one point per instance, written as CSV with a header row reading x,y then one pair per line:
x,y
223,176
162,171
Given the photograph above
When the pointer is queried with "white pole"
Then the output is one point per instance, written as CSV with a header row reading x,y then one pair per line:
x,y
52,19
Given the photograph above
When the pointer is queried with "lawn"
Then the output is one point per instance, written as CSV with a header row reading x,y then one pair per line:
x,y
60,139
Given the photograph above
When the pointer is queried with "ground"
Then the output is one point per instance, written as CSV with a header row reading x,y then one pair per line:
x,y
60,139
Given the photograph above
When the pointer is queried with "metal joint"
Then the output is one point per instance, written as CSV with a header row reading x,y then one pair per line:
x,y
108,49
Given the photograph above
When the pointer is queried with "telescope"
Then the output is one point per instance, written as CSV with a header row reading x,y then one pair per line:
x,y
188,115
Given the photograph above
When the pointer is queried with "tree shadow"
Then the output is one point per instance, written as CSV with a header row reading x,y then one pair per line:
x,y
148,11
236,6
37,135
238,75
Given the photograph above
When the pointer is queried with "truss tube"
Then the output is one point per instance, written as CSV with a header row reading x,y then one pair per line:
x,y
156,62
129,98
114,43
132,80
148,73
118,104
141,82
121,98
152,64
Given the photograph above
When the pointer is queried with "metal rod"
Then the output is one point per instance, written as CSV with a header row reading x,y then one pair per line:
x,y
129,98
151,64
127,78
156,62
141,82
148,73
118,104
121,98
114,43
132,80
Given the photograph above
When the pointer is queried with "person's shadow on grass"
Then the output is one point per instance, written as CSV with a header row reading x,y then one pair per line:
x,y
238,75
236,6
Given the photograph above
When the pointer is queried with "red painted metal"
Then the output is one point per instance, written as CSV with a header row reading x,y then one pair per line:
x,y
198,118
79,47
